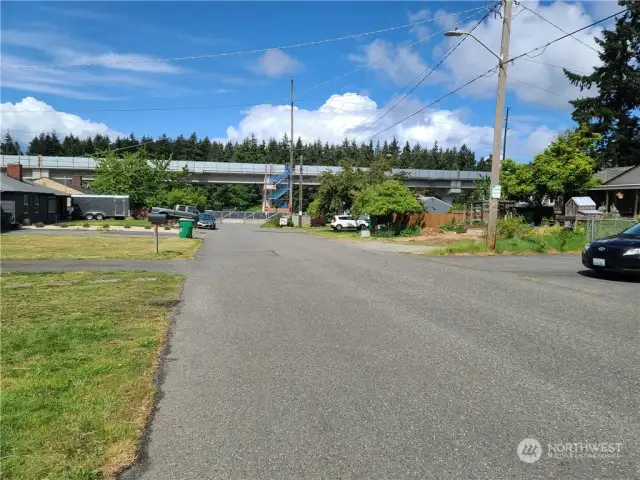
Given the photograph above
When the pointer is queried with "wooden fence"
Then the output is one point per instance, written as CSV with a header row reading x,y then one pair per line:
x,y
429,220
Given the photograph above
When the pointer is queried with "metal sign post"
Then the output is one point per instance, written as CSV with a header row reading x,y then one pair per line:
x,y
155,237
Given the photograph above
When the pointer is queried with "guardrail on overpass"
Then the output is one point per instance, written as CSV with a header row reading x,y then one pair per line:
x,y
199,167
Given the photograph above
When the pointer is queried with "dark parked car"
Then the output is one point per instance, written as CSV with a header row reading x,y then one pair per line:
x,y
206,220
617,253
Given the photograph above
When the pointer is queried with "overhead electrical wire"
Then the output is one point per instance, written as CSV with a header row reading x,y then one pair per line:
x,y
431,70
235,53
524,7
511,60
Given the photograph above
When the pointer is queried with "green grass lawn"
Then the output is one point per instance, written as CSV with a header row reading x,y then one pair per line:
x,y
78,364
95,247
109,221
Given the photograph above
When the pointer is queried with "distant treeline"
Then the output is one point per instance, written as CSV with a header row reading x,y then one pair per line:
x,y
253,151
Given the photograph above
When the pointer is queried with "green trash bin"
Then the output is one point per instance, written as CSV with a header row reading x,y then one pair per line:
x,y
186,227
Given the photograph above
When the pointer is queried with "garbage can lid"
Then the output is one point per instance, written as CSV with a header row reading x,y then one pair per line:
x,y
186,220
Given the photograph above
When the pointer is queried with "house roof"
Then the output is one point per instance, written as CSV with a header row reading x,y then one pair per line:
x,y
432,204
590,212
8,184
583,201
60,187
610,173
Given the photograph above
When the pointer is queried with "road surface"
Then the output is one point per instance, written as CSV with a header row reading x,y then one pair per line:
x,y
294,356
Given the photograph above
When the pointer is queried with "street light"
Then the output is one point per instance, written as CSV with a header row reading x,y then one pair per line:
x,y
497,128
462,33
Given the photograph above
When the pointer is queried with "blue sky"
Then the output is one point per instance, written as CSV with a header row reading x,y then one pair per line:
x,y
105,34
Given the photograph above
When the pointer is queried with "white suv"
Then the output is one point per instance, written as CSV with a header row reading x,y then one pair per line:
x,y
341,222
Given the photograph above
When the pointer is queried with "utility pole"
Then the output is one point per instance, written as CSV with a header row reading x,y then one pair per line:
x,y
506,129
291,156
300,196
497,128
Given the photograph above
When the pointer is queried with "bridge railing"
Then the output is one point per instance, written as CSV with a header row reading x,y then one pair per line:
x,y
235,215
201,167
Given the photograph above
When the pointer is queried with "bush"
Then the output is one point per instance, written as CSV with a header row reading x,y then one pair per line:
x,y
39,225
64,225
105,226
147,227
127,226
86,225
452,226
384,233
129,219
167,227
510,227
412,231
318,221
477,223
289,221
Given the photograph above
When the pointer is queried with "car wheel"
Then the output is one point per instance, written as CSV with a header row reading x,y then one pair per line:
x,y
99,216
363,227
338,228
88,216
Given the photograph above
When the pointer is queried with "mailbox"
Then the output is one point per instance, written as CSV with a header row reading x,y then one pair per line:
x,y
157,218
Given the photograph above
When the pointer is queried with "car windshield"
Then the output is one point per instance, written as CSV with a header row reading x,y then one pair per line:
x,y
205,216
635,230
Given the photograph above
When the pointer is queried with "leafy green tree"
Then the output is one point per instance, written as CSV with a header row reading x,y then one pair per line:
x,y
565,167
147,182
613,112
187,195
390,196
516,180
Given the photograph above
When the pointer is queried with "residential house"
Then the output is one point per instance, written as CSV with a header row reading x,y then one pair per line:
x,y
27,202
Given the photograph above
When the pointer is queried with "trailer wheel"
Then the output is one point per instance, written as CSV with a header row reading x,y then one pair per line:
x,y
99,216
88,216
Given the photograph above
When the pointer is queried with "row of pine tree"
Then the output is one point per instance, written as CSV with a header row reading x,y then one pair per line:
x,y
253,151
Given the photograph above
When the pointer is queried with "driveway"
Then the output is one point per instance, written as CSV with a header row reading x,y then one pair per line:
x,y
294,356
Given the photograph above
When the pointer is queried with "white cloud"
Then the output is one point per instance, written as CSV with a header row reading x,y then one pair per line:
x,y
399,68
349,114
80,83
471,59
275,64
29,117
529,32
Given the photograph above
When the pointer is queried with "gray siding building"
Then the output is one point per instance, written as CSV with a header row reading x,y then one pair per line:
x,y
25,202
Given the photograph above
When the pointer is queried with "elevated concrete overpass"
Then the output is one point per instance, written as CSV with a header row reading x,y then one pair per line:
x,y
447,183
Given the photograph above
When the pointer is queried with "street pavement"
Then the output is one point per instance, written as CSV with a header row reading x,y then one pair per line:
x,y
294,356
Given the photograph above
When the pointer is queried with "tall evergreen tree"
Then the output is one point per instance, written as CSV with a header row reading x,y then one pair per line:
x,y
9,146
613,112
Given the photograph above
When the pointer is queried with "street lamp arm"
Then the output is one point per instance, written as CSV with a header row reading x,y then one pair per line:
x,y
484,45
460,33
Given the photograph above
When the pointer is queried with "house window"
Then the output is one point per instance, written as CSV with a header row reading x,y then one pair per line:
x,y
26,201
52,205
37,205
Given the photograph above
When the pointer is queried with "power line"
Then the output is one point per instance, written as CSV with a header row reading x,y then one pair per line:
x,y
401,65
511,60
476,10
545,46
556,66
443,58
239,52
476,78
559,28
540,88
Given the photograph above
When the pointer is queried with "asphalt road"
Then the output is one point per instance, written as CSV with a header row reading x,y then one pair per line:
x,y
294,356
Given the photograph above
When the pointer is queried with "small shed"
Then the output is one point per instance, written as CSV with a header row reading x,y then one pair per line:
x,y
577,206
